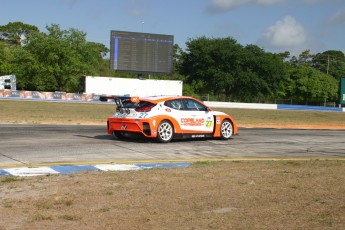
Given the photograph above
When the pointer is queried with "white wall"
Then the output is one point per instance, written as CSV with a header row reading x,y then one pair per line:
x,y
133,87
217,104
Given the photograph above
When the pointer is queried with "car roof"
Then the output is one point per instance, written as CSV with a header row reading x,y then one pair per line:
x,y
157,99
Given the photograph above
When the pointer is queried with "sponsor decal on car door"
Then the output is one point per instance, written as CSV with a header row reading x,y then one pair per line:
x,y
195,118
198,121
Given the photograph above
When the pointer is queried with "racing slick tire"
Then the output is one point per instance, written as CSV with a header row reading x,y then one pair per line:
x,y
226,129
165,132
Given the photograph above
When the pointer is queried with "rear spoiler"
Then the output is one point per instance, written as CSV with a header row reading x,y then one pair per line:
x,y
119,99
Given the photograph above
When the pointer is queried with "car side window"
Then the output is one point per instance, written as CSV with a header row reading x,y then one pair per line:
x,y
174,104
192,105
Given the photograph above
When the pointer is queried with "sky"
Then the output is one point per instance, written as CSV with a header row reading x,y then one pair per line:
x,y
274,25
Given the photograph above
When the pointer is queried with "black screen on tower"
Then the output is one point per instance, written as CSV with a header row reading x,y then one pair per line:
x,y
141,52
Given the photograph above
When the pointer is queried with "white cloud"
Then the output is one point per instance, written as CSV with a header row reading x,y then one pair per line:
x,y
228,4
285,34
338,17
219,6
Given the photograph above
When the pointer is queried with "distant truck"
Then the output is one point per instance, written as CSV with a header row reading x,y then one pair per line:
x,y
132,86
8,82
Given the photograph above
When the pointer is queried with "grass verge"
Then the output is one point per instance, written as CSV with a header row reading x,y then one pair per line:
x,y
34,112
207,195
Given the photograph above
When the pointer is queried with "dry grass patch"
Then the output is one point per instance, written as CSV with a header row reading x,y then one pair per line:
x,y
207,195
33,112
287,118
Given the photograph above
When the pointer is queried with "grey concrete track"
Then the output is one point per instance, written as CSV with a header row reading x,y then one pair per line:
x,y
49,144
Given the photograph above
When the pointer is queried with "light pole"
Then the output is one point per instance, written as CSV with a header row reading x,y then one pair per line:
x,y
142,26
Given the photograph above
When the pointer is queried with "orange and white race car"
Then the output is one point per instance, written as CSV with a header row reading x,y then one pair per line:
x,y
167,117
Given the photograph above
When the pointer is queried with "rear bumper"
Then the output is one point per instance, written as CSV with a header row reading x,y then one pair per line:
x,y
144,126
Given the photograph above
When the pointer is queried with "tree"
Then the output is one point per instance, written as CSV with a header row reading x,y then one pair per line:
x,y
26,68
209,64
330,62
5,56
307,85
223,67
17,33
285,55
177,53
305,58
267,69
57,60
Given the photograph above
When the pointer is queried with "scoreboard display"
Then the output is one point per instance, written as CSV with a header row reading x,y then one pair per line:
x,y
141,52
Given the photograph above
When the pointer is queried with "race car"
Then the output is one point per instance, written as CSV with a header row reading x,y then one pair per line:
x,y
164,118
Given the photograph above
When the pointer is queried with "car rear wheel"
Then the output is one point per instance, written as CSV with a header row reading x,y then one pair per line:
x,y
226,129
165,132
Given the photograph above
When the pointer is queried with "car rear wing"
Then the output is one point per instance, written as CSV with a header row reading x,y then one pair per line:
x,y
119,101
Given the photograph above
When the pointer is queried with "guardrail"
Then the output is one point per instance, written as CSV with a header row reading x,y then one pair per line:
x,y
74,97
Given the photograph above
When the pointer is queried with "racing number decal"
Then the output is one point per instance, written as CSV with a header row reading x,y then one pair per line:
x,y
209,124
143,115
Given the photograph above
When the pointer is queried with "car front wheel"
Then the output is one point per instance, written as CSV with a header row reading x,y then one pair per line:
x,y
226,129
165,132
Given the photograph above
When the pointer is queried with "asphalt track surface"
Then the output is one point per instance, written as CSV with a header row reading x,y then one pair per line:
x,y
25,145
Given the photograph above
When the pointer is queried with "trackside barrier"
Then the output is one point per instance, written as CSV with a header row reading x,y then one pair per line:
x,y
316,108
216,104
37,95
74,97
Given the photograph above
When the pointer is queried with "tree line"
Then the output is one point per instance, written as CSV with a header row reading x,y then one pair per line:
x,y
219,67
226,69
